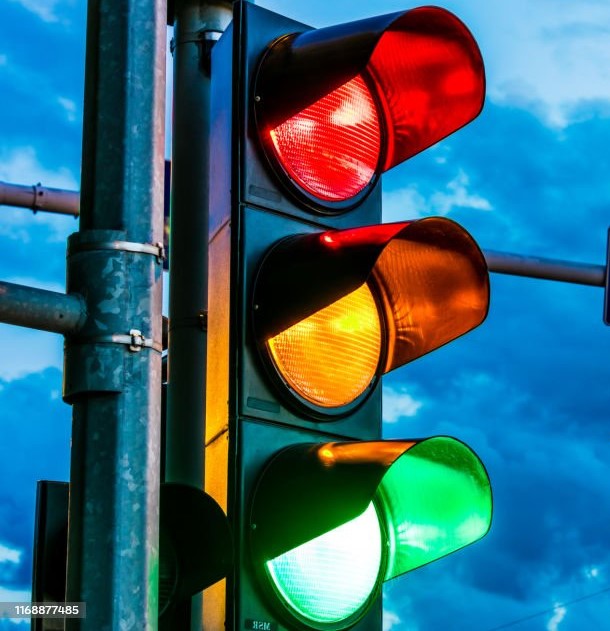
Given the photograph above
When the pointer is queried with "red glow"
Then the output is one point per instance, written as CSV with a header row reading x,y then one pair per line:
x,y
331,148
378,234
430,75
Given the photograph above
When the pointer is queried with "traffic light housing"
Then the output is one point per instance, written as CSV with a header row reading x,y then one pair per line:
x,y
311,301
334,310
333,521
195,548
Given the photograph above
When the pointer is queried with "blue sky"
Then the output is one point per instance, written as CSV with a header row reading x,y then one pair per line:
x,y
527,390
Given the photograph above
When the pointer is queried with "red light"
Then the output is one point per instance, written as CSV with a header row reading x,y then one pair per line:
x,y
331,148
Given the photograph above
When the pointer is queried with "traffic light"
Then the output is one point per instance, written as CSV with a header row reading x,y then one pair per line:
x,y
195,548
312,300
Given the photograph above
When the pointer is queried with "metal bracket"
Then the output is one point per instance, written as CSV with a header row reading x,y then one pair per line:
x,y
157,250
135,340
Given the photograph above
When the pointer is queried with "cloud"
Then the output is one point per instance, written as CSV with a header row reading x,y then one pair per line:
x,y
458,196
391,621
545,185
514,390
36,446
9,555
30,351
398,403
20,227
408,203
10,564
44,9
69,106
13,596
558,616
554,57
545,59
591,572
20,165
34,77
546,468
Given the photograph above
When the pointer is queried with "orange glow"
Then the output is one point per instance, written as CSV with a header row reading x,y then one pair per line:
x,y
331,357
435,293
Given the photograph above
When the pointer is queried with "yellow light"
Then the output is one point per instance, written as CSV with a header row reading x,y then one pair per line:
x,y
331,357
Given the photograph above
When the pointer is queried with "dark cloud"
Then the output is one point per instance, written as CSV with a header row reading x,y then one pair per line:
x,y
43,64
528,389
23,260
35,426
548,187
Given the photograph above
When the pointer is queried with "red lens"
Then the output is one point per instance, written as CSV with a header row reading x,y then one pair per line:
x,y
331,148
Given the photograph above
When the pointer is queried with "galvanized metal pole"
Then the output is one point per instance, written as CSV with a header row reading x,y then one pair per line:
x,y
113,364
39,197
41,309
548,269
197,25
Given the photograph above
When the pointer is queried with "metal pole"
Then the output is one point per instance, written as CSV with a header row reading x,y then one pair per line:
x,y
39,197
197,25
549,269
41,309
113,364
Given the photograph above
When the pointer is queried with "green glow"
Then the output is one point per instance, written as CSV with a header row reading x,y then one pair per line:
x,y
436,499
331,577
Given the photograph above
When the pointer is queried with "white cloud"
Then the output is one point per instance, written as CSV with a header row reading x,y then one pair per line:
x,y
558,616
555,54
9,555
14,596
17,342
458,196
398,404
44,9
553,57
20,165
409,203
391,621
403,204
69,106
592,572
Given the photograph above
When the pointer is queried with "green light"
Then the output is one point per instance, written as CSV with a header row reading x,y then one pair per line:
x,y
436,499
332,577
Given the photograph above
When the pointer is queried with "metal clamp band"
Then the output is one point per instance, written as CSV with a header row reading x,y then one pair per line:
x,y
135,340
155,249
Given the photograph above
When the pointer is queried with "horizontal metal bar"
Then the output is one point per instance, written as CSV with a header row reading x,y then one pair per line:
x,y
41,309
549,269
40,197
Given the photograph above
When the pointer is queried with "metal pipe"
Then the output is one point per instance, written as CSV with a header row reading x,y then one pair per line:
x,y
549,269
38,197
197,25
41,309
112,373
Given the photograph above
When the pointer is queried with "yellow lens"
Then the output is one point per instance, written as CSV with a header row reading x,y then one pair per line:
x,y
331,357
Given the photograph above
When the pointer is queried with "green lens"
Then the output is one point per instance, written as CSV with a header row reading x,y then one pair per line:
x,y
332,577
436,499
